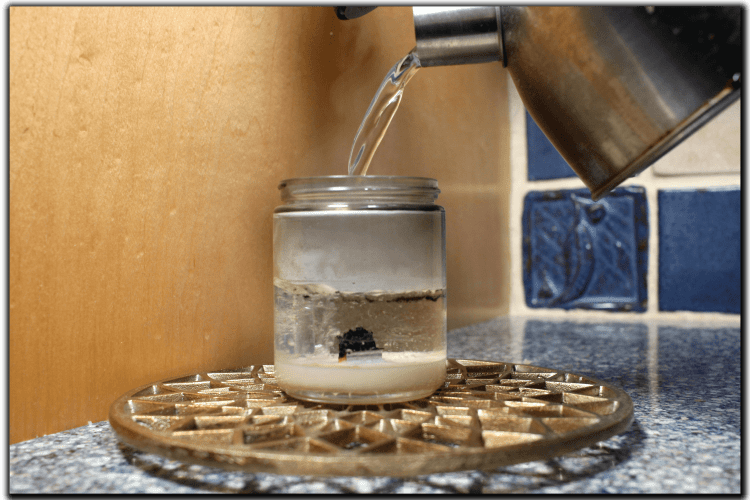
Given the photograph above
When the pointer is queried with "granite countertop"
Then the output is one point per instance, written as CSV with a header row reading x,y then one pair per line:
x,y
684,382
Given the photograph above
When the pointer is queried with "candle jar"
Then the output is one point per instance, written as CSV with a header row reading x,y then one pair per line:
x,y
359,289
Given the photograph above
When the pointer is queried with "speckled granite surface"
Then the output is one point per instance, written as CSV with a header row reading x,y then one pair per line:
x,y
684,382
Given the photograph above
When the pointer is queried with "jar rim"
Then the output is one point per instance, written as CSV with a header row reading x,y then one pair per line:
x,y
361,181
358,184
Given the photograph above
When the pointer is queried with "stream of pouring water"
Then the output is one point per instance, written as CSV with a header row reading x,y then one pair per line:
x,y
380,113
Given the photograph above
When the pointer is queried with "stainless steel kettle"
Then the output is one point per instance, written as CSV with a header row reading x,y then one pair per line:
x,y
613,88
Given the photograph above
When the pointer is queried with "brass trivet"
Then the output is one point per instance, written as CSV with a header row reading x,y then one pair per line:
x,y
488,414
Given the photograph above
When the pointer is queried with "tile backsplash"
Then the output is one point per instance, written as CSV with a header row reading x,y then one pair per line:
x,y
665,242
700,250
579,253
544,160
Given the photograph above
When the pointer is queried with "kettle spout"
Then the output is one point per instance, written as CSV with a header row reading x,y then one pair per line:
x,y
458,35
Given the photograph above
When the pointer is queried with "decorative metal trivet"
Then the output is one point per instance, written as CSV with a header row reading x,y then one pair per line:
x,y
488,414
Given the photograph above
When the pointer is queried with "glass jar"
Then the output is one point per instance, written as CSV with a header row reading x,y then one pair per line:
x,y
359,289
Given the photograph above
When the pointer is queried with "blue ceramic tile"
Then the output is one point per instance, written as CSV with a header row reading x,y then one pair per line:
x,y
544,162
578,253
700,250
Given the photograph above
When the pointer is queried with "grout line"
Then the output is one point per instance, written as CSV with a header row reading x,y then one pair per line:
x,y
518,189
692,181
707,320
652,275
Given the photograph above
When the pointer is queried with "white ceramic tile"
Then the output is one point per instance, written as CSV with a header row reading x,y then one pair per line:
x,y
713,149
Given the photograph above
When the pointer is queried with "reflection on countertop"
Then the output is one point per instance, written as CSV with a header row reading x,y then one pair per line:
x,y
684,380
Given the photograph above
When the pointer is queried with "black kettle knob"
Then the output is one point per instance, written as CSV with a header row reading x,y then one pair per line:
x,y
346,13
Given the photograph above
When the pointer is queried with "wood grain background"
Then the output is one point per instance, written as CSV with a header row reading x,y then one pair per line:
x,y
146,144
